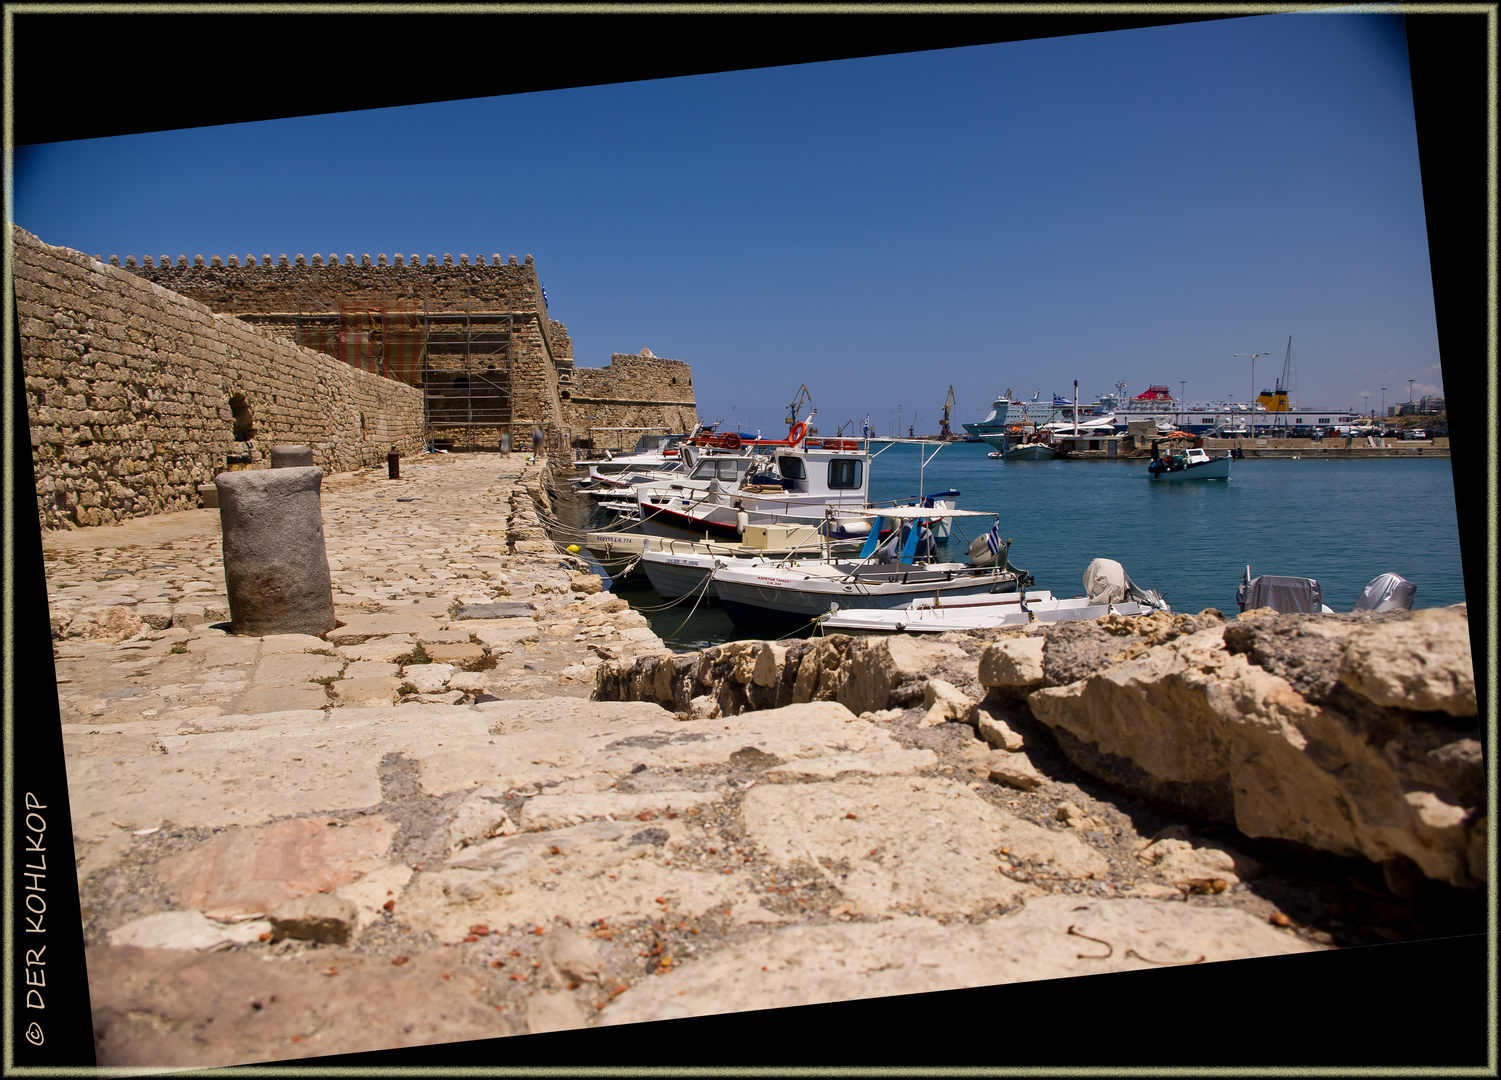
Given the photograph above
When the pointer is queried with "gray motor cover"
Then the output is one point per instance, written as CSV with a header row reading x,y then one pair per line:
x,y
1387,592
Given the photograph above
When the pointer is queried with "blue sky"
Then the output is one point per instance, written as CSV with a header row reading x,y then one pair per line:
x,y
1135,205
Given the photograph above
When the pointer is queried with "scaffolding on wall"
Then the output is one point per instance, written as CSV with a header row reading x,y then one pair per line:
x,y
462,361
466,378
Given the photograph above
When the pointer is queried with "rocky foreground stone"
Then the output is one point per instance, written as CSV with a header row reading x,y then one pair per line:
x,y
491,802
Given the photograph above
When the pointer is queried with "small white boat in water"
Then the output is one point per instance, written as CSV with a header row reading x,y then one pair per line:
x,y
1190,464
891,575
1109,591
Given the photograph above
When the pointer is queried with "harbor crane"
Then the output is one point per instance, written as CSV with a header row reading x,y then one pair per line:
x,y
943,432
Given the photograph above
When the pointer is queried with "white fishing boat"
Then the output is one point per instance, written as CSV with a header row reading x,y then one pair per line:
x,y
1190,464
889,575
936,619
1109,590
683,567
802,486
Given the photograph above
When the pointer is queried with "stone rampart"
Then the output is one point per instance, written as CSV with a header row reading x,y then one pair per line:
x,y
637,390
136,394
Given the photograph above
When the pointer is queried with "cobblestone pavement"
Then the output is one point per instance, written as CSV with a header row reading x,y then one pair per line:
x,y
418,828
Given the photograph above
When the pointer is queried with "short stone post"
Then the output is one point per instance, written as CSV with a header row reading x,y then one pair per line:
x,y
275,561
393,464
291,457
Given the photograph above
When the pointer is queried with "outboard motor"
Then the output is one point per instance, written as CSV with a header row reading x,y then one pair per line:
x,y
1387,592
1106,582
1281,594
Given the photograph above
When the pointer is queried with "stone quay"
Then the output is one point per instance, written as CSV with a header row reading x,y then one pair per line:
x,y
490,801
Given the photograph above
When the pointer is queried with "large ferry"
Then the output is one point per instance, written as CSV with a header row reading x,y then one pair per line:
x,y
1006,411
1269,414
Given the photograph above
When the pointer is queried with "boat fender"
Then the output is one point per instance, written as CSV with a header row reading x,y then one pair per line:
x,y
742,519
854,527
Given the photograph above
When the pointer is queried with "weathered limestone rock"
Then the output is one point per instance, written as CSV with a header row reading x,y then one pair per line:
x,y
321,917
1014,770
156,616
1255,724
372,690
933,840
184,991
704,707
504,633
878,667
188,930
835,961
291,457
769,661
568,956
994,730
455,654
114,623
275,562
586,583
252,871
1423,664
358,629
944,702
1180,857
1012,663
553,1012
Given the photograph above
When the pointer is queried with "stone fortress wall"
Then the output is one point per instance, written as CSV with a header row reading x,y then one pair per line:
x,y
277,293
632,391
637,391
137,394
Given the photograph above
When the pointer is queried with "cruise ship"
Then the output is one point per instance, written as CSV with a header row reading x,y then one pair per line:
x,y
1270,414
1006,410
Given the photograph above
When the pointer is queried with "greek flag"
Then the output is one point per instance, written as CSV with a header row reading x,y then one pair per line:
x,y
993,538
1062,403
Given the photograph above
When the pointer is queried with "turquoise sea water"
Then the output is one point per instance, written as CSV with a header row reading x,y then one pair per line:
x,y
1339,521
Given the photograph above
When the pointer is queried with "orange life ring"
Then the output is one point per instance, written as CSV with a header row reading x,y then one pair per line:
x,y
795,436
730,441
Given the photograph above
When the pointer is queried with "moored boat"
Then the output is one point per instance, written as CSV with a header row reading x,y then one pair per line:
x,y
1190,464
889,575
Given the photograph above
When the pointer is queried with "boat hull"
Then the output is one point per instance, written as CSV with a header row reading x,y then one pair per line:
x,y
1030,452
755,598
1214,469
674,576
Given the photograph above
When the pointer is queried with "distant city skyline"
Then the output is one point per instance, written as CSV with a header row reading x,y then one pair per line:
x,y
1134,206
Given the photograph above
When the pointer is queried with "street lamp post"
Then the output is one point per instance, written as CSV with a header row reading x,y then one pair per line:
x,y
1251,421
1383,408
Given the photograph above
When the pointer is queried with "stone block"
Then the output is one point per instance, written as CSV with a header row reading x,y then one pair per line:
x,y
275,560
156,616
358,628
1014,770
370,690
322,917
455,654
190,613
291,457
1012,662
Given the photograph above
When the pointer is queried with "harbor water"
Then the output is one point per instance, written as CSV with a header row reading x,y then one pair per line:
x,y
1339,521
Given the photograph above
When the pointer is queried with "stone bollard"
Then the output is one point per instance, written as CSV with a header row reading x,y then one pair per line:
x,y
393,464
291,457
275,562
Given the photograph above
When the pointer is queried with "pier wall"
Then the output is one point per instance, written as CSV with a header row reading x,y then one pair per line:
x,y
136,394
